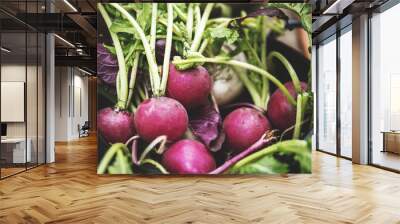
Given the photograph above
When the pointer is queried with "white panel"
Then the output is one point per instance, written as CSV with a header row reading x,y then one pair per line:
x,y
360,90
327,97
12,101
50,80
346,94
77,112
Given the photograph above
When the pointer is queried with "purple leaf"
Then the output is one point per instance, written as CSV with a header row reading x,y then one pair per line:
x,y
206,124
265,11
270,12
107,65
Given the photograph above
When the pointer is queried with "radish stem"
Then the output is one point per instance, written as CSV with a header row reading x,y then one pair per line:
x,y
257,145
203,46
108,157
133,78
252,51
167,53
162,140
156,164
118,85
224,60
197,15
249,85
265,82
176,29
297,126
153,28
153,70
134,150
142,93
302,100
201,27
173,37
179,12
289,68
189,23
123,90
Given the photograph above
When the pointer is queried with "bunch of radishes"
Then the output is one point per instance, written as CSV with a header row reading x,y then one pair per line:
x,y
180,87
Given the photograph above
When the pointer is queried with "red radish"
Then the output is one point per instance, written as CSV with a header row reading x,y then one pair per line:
x,y
190,87
188,157
115,126
161,116
243,127
281,113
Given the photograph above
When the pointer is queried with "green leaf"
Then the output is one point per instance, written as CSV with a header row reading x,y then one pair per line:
x,y
303,10
226,10
111,49
292,156
122,164
230,35
117,160
266,165
143,16
122,26
191,55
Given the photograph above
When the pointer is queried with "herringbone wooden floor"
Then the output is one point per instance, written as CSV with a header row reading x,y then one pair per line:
x,y
69,191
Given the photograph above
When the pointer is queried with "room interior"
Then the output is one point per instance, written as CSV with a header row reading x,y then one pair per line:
x,y
22,101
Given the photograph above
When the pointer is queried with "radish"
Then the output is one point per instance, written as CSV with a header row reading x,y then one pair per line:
x,y
226,89
161,116
190,87
158,115
281,113
160,51
227,85
176,85
188,157
115,126
243,127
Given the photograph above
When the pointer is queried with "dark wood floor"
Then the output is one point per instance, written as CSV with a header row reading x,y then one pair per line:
x,y
69,191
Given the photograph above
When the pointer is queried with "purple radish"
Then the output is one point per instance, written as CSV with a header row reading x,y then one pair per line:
x,y
243,127
115,126
281,113
160,51
190,87
161,116
188,157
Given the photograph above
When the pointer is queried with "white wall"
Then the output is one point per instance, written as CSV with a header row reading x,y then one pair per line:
x,y
33,126
71,102
81,104
61,103
50,95
314,90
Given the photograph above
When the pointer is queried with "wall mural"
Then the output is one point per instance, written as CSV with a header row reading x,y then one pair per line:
x,y
204,88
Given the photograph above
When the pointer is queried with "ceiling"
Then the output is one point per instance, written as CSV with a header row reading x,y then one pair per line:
x,y
332,15
76,22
